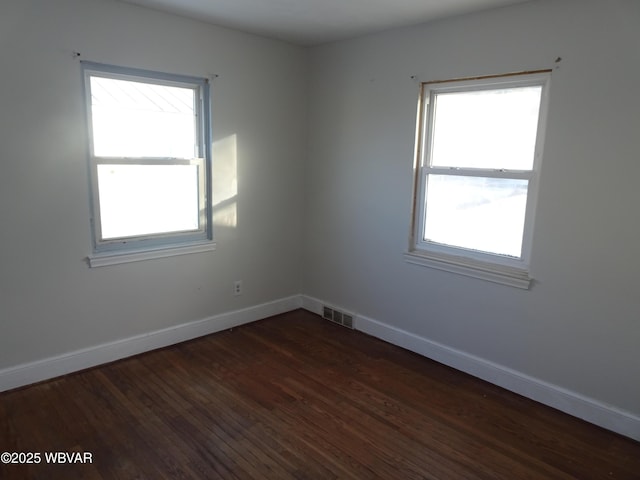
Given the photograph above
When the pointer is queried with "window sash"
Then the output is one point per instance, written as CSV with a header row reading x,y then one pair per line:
x,y
422,243
440,116
140,240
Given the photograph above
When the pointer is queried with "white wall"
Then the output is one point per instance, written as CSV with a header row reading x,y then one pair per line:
x,y
578,328
51,302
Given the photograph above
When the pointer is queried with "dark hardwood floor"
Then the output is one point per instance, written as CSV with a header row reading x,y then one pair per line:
x,y
295,396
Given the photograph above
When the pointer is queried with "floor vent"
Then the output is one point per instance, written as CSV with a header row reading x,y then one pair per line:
x,y
336,316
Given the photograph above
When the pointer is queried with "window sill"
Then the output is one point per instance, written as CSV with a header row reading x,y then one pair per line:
x,y
115,258
502,274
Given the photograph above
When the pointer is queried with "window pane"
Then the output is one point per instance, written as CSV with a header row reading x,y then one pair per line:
x,y
486,129
134,119
485,214
147,199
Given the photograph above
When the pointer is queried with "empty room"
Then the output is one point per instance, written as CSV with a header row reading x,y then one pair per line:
x,y
319,239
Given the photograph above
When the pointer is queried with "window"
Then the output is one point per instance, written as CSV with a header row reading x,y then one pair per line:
x,y
149,138
479,146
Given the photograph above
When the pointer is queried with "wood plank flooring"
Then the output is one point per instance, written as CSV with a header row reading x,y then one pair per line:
x,y
296,397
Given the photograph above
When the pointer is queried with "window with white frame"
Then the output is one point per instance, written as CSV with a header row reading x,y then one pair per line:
x,y
479,149
149,155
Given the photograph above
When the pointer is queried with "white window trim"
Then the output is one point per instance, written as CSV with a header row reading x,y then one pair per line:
x,y
145,247
491,267
502,274
116,258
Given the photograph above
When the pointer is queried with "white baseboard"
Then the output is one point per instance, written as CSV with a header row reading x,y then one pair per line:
x,y
606,416
593,411
48,368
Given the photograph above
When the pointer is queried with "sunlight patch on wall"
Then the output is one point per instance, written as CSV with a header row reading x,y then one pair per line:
x,y
225,182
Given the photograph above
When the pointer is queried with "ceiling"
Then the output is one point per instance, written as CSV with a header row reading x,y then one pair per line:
x,y
313,22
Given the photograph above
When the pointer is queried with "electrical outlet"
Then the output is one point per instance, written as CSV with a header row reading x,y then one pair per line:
x,y
237,287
